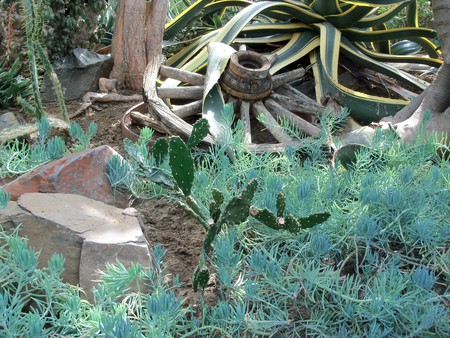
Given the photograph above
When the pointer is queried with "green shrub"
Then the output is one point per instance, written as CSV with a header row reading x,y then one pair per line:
x,y
69,24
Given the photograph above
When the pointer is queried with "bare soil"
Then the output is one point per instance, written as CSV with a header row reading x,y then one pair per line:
x,y
163,222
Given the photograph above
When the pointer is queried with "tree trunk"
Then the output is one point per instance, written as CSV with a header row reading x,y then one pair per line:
x,y
435,99
128,44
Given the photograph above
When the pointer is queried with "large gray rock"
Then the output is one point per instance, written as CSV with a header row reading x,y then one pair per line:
x,y
90,234
78,73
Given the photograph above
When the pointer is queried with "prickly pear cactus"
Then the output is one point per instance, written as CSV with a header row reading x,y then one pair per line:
x,y
281,204
313,220
199,132
200,278
286,222
182,164
160,150
265,216
214,206
249,191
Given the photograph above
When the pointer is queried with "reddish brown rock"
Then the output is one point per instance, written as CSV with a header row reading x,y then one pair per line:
x,y
82,173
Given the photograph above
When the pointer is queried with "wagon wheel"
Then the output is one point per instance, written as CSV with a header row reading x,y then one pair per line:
x,y
253,92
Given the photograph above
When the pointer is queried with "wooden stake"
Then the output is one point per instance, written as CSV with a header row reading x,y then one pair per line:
x,y
281,79
297,101
273,148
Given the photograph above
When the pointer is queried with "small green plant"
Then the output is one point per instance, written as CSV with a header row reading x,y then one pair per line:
x,y
34,22
219,213
12,84
183,172
18,157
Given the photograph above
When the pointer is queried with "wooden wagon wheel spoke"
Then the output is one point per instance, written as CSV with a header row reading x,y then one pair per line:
x,y
248,86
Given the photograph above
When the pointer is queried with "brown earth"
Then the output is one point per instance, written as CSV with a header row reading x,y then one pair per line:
x,y
163,222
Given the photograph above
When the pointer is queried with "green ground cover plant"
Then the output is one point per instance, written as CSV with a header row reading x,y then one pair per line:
x,y
379,266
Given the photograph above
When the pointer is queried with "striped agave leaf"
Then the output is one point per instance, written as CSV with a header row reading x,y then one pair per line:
x,y
324,30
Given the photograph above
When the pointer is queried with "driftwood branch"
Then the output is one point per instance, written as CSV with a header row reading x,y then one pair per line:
x,y
91,97
188,109
148,121
185,93
173,123
182,75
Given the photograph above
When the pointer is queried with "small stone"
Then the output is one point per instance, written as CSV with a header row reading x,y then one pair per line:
x,y
130,212
107,85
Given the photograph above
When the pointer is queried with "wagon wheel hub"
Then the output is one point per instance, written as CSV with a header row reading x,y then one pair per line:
x,y
247,76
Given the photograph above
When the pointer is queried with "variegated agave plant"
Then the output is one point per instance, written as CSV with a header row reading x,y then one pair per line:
x,y
322,30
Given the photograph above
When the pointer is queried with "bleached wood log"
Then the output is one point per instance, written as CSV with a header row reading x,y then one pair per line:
x,y
189,93
182,75
278,110
259,110
244,111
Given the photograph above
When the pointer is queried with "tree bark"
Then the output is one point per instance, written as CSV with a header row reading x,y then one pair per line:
x,y
435,99
128,44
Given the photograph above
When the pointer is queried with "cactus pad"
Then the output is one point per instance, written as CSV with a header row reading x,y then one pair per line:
x,y
160,150
199,132
217,196
313,220
281,204
266,217
292,224
200,278
182,164
249,191
235,212
209,238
